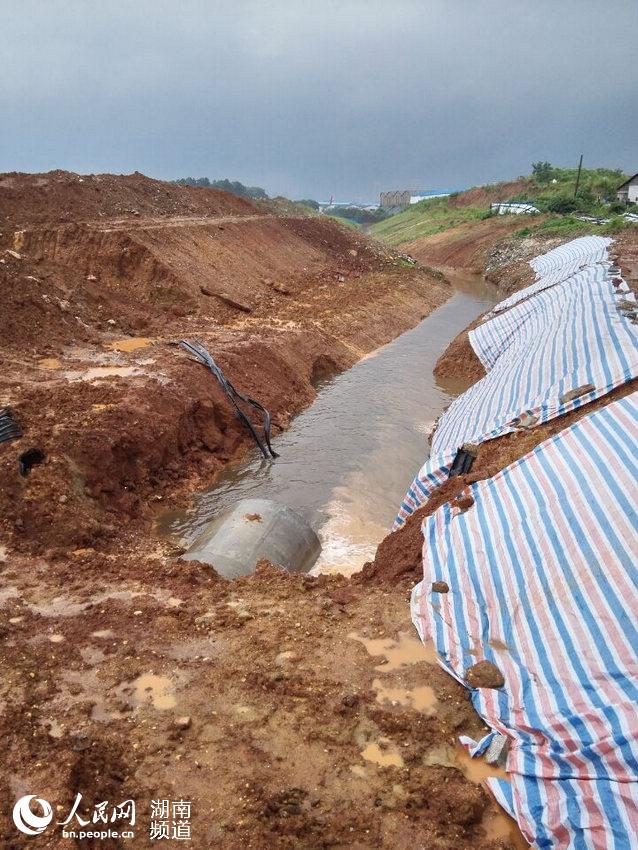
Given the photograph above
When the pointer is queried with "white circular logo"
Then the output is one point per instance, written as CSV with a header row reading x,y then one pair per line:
x,y
26,820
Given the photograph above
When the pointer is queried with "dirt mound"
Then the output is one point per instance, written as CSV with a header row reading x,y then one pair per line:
x,y
123,417
58,196
64,283
483,196
459,360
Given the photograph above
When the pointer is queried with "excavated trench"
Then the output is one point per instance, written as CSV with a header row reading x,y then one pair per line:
x,y
346,462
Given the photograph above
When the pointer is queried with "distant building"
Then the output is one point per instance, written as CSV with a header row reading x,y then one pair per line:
x,y
401,199
395,200
628,192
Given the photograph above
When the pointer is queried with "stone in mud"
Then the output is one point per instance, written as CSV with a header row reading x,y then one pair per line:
x,y
440,587
183,722
235,302
484,674
463,502
576,393
526,420
342,595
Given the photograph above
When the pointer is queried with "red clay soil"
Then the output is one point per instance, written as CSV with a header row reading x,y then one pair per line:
x,y
290,711
286,718
464,247
459,359
483,196
60,196
280,303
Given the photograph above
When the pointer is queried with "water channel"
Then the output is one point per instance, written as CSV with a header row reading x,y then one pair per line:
x,y
346,462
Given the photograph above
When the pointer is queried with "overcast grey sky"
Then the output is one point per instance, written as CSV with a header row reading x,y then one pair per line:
x,y
310,98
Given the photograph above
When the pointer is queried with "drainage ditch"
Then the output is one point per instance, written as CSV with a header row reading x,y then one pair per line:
x,y
345,463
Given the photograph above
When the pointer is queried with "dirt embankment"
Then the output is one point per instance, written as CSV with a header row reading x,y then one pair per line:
x,y
464,247
60,196
483,196
90,368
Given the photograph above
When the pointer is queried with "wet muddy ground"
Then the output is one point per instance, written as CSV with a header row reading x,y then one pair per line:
x,y
292,711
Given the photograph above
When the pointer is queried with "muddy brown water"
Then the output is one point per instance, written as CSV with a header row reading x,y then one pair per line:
x,y
346,462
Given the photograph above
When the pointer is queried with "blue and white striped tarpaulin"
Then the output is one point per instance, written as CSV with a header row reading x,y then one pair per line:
x,y
543,583
559,264
540,356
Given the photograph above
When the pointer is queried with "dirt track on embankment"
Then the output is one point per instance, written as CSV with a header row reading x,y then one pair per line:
x,y
298,733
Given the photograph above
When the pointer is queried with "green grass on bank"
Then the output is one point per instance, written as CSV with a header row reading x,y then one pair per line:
x,y
550,189
569,226
423,219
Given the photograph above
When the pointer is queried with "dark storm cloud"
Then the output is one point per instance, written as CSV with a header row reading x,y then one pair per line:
x,y
318,98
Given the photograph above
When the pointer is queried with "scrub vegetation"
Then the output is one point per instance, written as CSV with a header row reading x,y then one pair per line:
x,y
424,219
550,189
570,227
235,187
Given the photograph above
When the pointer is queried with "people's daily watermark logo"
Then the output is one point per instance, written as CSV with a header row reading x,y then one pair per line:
x,y
169,819
27,820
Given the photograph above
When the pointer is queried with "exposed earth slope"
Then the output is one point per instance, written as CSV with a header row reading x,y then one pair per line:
x,y
93,309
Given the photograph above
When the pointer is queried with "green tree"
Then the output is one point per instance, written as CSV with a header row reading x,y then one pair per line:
x,y
232,186
542,171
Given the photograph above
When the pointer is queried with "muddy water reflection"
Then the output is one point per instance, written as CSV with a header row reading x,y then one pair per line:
x,y
346,462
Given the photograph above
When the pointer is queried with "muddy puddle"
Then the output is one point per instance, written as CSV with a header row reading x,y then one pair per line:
x,y
393,654
346,462
131,343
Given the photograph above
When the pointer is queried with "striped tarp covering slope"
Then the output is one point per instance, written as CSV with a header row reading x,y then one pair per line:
x,y
559,264
543,578
549,344
555,342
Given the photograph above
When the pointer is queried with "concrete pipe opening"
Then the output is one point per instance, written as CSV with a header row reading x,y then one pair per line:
x,y
254,529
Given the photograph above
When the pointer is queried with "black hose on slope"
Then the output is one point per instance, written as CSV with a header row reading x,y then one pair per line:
x,y
199,353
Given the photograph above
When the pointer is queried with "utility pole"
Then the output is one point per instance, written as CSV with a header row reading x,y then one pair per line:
x,y
580,165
